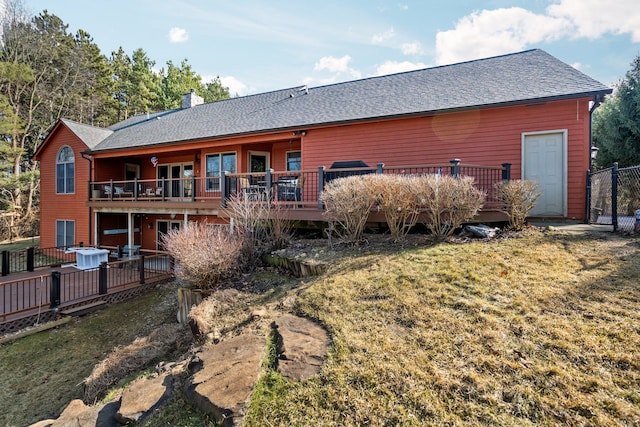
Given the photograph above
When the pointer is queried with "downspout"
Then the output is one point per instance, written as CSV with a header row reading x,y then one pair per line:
x,y
85,155
597,100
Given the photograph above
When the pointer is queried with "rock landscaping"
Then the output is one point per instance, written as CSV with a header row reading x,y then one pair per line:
x,y
220,377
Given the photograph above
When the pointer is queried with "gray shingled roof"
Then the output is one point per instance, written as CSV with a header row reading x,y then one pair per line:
x,y
523,77
90,135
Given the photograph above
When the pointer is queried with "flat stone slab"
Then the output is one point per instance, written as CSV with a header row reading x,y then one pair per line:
x,y
79,414
143,396
223,376
304,347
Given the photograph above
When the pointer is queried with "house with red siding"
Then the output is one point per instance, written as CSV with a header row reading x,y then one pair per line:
x,y
523,115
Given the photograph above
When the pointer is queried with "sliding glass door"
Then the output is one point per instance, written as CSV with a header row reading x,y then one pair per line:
x,y
177,179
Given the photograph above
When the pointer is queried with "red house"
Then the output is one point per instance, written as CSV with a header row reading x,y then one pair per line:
x,y
141,177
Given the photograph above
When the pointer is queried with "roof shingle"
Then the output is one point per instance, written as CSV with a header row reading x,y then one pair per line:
x,y
528,76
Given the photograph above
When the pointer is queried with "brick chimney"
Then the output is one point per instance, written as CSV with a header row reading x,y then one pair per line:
x,y
191,99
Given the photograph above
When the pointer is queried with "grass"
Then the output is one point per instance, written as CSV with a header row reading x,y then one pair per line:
x,y
42,373
540,330
537,330
20,244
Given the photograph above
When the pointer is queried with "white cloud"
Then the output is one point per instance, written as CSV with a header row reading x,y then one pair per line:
x,y
594,18
333,64
495,32
236,87
383,37
577,65
403,6
413,48
391,67
178,35
498,31
337,65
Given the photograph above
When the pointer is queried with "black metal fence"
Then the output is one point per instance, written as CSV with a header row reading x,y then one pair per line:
x,y
615,197
59,288
303,188
29,259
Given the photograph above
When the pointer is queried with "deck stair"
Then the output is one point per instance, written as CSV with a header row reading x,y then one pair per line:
x,y
84,309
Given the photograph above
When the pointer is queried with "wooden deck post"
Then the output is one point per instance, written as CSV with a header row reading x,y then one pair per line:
x,y
31,258
506,171
55,289
141,269
224,192
102,278
320,186
5,263
455,167
268,183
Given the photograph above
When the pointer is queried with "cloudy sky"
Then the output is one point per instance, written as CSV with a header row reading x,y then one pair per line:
x,y
257,46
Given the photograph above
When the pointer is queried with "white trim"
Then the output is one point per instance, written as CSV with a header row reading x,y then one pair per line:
x,y
134,167
565,161
169,228
258,153
130,236
74,170
286,158
95,228
220,155
169,194
72,221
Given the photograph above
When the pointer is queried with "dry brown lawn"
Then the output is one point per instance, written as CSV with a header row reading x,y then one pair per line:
x,y
543,329
540,329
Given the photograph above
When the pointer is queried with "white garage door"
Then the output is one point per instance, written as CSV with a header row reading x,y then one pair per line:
x,y
544,161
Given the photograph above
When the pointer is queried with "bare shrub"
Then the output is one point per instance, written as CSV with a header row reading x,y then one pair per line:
x,y
348,202
263,221
122,362
450,202
519,197
397,198
205,254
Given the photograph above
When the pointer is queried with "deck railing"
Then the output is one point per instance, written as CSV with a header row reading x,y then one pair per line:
x,y
24,295
29,259
290,188
59,288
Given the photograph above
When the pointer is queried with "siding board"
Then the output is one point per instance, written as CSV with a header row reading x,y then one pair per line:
x,y
63,206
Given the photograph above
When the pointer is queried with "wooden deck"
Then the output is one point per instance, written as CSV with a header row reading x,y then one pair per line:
x,y
27,294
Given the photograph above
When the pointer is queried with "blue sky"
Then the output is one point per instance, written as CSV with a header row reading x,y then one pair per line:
x,y
257,46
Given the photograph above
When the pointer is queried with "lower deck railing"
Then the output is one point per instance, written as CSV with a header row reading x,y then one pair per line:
x,y
59,288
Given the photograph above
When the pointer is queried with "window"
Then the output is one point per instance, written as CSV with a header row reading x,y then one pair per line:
x,y
65,164
216,163
294,161
65,233
176,178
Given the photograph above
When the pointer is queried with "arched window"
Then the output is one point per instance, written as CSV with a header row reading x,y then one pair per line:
x,y
65,171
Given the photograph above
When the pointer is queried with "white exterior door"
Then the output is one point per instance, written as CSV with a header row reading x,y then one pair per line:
x,y
544,160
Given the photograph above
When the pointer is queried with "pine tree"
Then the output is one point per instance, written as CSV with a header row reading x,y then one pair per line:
x,y
616,124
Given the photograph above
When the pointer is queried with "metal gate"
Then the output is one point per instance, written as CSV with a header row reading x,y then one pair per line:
x,y
615,197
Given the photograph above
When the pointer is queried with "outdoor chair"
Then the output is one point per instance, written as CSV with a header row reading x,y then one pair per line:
x,y
290,189
251,192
